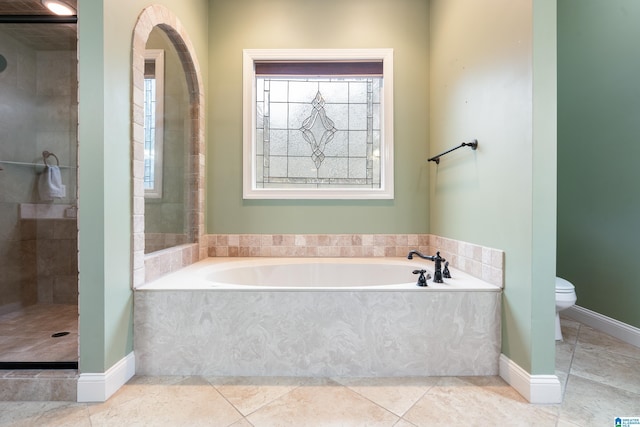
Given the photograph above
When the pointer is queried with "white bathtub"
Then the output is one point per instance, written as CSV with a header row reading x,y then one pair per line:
x,y
315,317
312,274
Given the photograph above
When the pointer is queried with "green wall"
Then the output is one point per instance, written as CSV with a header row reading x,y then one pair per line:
x,y
105,32
598,152
483,75
91,207
256,24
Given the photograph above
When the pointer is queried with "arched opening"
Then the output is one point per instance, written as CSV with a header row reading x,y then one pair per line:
x,y
179,253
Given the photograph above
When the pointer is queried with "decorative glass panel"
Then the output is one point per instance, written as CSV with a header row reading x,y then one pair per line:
x,y
318,136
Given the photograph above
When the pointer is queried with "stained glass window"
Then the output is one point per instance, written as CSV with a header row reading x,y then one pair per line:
x,y
319,130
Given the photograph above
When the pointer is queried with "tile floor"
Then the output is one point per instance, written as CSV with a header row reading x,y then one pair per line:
x,y
600,377
25,335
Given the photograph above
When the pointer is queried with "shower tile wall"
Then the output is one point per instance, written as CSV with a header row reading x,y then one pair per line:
x,y
38,111
53,259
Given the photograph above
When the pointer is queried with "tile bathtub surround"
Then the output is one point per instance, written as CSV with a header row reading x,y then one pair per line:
x,y
168,260
329,333
482,262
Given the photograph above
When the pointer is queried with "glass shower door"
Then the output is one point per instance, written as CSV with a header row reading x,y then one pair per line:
x,y
38,196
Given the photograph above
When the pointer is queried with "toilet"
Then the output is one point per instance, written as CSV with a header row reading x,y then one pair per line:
x,y
565,298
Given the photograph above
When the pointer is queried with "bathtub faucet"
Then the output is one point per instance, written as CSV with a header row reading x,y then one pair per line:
x,y
437,259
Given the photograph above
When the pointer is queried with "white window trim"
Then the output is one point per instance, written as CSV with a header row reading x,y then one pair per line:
x,y
157,55
250,56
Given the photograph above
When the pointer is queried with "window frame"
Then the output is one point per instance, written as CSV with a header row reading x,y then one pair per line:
x,y
251,57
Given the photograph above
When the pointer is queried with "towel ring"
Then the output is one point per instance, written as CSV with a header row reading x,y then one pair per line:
x,y
46,154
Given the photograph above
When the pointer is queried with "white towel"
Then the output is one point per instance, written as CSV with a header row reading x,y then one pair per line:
x,y
50,184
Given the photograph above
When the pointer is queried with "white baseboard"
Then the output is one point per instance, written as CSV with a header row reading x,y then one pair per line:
x,y
613,327
100,387
534,388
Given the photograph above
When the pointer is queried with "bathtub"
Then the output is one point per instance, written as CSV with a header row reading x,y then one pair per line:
x,y
349,317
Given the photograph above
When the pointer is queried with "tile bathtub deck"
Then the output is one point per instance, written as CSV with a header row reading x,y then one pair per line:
x,y
599,374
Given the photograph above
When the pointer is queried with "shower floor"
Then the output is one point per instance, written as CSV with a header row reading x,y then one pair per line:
x,y
26,334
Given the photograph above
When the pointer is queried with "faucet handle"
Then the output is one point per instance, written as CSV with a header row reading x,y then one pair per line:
x,y
422,280
445,272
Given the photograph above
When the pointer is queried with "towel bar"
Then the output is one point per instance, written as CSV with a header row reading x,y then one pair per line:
x,y
473,144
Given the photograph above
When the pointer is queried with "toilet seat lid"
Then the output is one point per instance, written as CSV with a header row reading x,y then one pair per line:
x,y
563,285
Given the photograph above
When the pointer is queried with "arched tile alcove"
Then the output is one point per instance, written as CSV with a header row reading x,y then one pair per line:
x,y
148,267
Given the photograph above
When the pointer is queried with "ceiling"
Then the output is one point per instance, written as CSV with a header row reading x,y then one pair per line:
x,y
38,36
